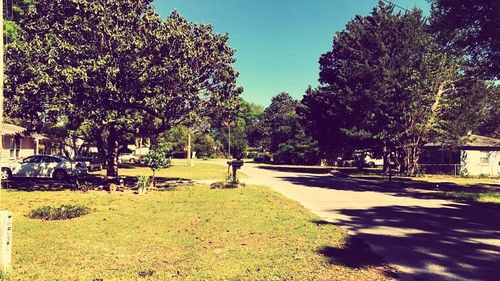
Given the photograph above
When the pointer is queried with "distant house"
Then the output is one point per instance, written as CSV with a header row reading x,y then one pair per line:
x,y
480,156
17,145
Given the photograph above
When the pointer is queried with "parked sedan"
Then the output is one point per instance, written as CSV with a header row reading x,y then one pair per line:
x,y
44,166
93,161
128,158
262,158
373,162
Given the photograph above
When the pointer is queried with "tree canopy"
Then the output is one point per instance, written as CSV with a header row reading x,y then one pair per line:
x,y
387,82
471,27
284,134
117,67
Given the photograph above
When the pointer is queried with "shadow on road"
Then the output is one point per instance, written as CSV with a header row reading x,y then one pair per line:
x,y
457,241
298,169
460,242
398,187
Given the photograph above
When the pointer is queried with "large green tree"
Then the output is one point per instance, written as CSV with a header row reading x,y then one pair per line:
x,y
117,67
284,134
252,114
471,27
386,83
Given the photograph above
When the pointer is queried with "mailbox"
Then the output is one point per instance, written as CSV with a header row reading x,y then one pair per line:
x,y
236,164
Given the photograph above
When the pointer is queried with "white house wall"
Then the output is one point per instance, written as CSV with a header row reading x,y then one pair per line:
x,y
471,164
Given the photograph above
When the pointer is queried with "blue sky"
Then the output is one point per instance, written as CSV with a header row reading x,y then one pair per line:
x,y
278,42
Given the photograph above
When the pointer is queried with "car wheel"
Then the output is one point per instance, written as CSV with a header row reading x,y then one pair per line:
x,y
371,165
5,174
59,175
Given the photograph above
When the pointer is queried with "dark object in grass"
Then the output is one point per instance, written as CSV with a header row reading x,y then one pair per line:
x,y
64,212
226,185
146,273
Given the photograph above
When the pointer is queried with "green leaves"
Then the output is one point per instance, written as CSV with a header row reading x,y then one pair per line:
x,y
117,65
158,157
386,82
470,28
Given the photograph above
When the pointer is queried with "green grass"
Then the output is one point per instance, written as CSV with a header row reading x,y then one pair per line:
x,y
180,169
434,178
193,233
483,197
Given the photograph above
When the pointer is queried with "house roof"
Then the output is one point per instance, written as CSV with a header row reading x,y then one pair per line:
x,y
10,129
474,141
477,140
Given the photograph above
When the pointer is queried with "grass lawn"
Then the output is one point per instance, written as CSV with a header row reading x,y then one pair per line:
x,y
180,169
483,197
456,180
192,233
434,179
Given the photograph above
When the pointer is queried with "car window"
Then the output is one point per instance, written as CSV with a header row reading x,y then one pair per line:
x,y
35,159
46,159
55,159
50,159
27,159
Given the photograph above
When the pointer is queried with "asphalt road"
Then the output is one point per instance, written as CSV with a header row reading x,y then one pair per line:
x,y
415,230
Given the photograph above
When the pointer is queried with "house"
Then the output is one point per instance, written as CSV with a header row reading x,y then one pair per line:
x,y
479,156
16,145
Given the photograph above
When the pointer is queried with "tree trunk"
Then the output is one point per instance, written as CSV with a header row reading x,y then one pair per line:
x,y
410,157
152,183
361,161
386,159
189,160
153,141
112,153
415,156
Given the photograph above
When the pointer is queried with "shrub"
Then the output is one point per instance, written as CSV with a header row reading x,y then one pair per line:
x,y
158,158
226,185
142,184
63,212
297,151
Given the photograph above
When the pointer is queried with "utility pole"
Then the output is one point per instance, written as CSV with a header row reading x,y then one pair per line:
x,y
229,139
1,86
189,160
5,216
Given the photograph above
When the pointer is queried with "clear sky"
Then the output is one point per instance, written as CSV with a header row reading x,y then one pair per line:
x,y
278,42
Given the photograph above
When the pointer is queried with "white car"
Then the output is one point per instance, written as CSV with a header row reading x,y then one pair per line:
x,y
373,162
44,166
128,158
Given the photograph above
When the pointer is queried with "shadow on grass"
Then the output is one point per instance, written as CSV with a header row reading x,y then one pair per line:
x,y
90,182
354,253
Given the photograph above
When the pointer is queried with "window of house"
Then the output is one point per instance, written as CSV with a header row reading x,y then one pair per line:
x,y
18,147
15,148
484,158
12,147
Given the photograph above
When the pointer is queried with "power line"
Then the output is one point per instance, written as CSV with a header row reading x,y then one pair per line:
x,y
395,5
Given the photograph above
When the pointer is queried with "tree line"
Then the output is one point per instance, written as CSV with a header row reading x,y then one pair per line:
x,y
114,71
392,82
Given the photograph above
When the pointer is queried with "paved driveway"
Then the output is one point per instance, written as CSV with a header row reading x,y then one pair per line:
x,y
420,234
